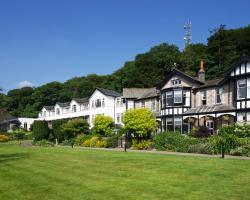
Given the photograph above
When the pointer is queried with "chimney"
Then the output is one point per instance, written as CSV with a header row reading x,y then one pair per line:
x,y
201,73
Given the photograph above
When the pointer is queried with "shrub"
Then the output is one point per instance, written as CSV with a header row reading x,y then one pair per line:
x,y
203,148
172,141
201,132
81,138
241,151
242,130
18,134
75,127
95,142
224,141
103,125
142,145
43,143
40,130
4,138
140,122
112,142
57,129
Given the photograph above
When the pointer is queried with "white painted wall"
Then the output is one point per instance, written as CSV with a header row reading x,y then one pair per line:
x,y
28,121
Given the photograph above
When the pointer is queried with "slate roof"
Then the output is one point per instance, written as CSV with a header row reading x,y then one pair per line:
x,y
135,93
81,100
63,105
211,83
107,92
208,109
151,92
49,107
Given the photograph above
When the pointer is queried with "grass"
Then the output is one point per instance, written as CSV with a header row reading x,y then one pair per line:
x,y
65,173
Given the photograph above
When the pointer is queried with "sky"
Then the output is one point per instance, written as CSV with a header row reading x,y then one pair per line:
x,y
55,40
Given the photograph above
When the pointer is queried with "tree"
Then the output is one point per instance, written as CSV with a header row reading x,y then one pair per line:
x,y
40,130
103,125
75,127
225,140
140,122
57,129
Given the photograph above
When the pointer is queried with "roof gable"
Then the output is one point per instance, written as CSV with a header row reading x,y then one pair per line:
x,y
175,72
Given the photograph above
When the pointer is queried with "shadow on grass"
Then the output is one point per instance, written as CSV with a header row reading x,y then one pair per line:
x,y
12,157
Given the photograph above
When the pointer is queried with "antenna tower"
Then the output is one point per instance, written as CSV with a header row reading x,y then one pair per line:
x,y
188,36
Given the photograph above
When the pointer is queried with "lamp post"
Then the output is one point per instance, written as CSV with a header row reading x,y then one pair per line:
x,y
125,145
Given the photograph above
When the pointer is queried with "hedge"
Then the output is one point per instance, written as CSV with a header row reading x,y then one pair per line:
x,y
40,130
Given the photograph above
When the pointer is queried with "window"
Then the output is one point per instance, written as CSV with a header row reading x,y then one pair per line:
x,y
219,95
153,105
118,118
176,82
58,111
241,116
169,123
143,104
44,113
98,103
25,125
186,98
103,102
248,88
169,98
74,108
118,102
163,100
241,89
204,97
93,104
178,96
178,124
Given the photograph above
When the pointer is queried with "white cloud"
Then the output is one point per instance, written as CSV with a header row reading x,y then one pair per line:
x,y
25,84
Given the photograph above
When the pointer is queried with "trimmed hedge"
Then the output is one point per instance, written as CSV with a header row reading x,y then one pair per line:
x,y
40,130
57,129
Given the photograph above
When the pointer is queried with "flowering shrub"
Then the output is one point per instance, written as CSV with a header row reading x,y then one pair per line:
x,y
242,130
4,138
95,142
142,145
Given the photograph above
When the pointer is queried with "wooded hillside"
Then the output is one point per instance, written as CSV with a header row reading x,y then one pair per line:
x,y
223,48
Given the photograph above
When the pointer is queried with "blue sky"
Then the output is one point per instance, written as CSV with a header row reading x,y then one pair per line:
x,y
55,40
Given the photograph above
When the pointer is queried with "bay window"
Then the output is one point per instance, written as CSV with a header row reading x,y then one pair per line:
x,y
186,98
177,96
169,122
169,96
178,124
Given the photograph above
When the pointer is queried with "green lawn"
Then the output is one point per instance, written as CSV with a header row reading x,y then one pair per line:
x,y
65,173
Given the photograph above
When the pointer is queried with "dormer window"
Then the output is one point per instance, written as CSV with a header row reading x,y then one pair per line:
x,y
176,82
74,108
204,97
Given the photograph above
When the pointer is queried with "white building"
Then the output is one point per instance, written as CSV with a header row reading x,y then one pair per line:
x,y
101,102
